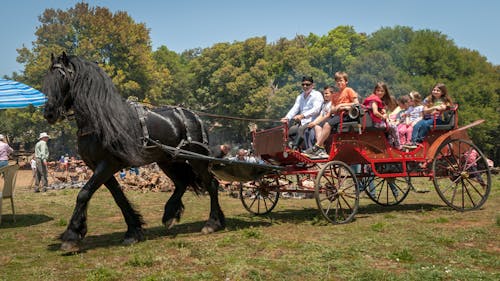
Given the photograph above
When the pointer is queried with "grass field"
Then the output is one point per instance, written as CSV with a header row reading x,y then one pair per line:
x,y
421,239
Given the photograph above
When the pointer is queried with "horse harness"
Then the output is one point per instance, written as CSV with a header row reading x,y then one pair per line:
x,y
142,115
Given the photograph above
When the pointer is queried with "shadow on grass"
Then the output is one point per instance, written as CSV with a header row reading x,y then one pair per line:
x,y
23,220
236,223
313,214
290,216
307,214
115,239
375,208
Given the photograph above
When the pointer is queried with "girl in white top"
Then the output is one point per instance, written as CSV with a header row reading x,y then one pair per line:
x,y
411,116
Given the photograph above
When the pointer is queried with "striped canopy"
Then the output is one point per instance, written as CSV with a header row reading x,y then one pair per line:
x,y
16,95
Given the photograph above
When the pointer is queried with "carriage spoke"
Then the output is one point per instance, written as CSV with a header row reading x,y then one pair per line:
x,y
473,186
468,194
389,191
260,197
346,202
336,192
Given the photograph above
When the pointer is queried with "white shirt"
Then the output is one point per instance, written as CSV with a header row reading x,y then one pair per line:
x,y
309,107
414,113
326,108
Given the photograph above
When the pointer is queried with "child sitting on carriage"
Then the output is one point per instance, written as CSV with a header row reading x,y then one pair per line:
x,y
437,102
341,101
411,116
378,105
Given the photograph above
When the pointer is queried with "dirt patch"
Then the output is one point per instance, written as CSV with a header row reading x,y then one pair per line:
x,y
24,178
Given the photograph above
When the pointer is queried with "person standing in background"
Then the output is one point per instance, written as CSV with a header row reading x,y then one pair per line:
x,y
5,151
41,157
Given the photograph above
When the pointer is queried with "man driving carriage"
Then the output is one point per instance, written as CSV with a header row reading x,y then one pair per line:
x,y
306,108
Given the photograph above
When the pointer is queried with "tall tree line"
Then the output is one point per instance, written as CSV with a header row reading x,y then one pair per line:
x,y
256,78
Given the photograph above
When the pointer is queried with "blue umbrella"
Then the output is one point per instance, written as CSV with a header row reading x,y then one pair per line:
x,y
16,95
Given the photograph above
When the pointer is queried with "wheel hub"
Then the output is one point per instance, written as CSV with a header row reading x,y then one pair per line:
x,y
331,192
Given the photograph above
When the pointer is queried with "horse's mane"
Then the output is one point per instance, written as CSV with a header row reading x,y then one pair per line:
x,y
109,116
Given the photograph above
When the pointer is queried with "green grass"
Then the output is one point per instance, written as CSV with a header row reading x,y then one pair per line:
x,y
421,239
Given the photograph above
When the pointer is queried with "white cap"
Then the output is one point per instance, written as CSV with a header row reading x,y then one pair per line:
x,y
1,137
43,135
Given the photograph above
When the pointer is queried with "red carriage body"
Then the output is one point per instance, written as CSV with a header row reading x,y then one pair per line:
x,y
361,159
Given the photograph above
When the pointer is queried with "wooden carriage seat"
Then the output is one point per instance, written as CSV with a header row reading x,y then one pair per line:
x,y
368,124
347,127
450,119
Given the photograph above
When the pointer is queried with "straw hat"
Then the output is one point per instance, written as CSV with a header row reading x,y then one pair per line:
x,y
43,135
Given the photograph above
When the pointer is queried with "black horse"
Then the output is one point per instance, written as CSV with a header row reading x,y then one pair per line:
x,y
114,134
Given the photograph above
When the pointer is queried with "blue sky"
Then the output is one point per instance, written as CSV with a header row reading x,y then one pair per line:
x,y
187,24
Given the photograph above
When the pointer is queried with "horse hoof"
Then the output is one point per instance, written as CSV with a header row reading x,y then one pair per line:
x,y
207,230
129,241
170,223
70,246
211,227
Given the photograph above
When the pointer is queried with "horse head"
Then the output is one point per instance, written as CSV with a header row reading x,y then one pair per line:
x,y
57,87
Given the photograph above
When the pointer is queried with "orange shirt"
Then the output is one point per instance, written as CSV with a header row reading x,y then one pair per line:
x,y
346,96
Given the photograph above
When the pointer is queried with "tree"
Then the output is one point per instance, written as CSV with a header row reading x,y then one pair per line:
x,y
114,41
336,50
257,79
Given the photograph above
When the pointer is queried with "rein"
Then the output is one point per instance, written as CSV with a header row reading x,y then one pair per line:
x,y
201,113
235,118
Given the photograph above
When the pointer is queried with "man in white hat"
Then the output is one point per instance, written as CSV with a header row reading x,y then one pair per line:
x,y
41,157
5,151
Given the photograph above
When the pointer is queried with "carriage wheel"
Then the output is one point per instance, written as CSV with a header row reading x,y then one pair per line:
x,y
261,196
387,191
462,184
336,192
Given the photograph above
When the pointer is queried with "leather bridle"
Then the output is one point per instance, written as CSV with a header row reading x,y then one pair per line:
x,y
67,73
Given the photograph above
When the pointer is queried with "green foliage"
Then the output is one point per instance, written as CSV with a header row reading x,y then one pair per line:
x,y
141,261
115,41
102,274
404,255
62,222
255,78
252,233
378,227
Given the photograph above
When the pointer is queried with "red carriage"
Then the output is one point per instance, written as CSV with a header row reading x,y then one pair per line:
x,y
361,160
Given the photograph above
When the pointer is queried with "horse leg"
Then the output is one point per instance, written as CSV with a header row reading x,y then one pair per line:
x,y
216,220
182,175
135,232
174,207
77,226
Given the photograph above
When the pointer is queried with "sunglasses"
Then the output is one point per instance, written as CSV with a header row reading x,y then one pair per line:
x,y
306,84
